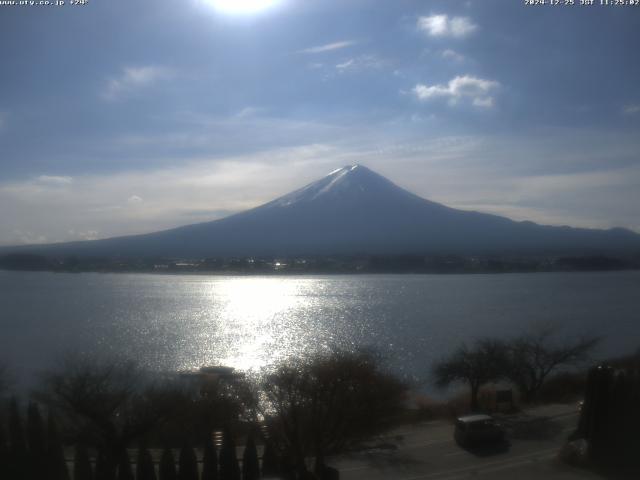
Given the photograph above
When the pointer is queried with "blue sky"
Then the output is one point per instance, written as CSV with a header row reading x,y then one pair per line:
x,y
121,117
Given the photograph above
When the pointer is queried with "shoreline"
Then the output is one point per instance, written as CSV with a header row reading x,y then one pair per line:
x,y
297,273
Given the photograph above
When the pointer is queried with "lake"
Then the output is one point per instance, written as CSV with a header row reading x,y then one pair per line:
x,y
177,322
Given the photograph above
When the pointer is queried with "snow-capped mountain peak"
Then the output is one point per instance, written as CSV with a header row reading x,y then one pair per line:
x,y
348,181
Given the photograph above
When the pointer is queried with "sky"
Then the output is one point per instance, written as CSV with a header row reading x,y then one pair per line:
x,y
121,117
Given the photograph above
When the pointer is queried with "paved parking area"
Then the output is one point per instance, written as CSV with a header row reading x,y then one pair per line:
x,y
427,451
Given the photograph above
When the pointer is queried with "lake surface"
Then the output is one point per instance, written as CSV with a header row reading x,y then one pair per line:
x,y
177,322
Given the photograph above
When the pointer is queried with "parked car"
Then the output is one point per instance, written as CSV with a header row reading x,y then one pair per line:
x,y
477,430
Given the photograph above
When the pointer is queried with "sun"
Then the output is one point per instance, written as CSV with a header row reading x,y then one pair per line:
x,y
242,6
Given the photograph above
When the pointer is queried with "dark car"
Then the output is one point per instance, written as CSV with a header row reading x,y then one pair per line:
x,y
477,430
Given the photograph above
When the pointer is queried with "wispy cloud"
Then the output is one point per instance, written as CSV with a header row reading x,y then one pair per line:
x,y
136,78
247,112
26,237
450,54
445,26
346,64
479,173
329,47
631,109
54,180
478,91
3,120
360,63
84,235
144,201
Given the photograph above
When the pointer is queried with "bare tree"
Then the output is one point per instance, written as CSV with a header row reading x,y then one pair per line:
x,y
482,363
534,356
328,404
106,402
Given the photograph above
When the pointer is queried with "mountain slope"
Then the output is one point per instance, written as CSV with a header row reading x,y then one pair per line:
x,y
354,211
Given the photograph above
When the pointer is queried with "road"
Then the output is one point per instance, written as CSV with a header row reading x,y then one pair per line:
x,y
427,451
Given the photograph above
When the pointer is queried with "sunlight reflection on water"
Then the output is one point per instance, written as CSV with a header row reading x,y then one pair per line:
x,y
245,322
180,322
256,322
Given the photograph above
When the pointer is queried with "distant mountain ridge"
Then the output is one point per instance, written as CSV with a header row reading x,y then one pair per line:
x,y
352,211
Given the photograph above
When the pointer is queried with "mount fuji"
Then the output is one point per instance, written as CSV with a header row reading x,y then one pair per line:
x,y
353,210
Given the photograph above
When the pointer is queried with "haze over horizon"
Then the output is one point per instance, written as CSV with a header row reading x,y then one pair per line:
x,y
120,118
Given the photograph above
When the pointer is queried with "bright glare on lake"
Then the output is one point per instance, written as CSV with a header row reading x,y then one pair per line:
x,y
180,322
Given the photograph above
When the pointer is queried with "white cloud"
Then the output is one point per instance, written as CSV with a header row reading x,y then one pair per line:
x,y
349,63
477,90
445,26
631,109
144,201
449,54
136,78
483,102
84,235
54,180
328,47
89,235
24,237
360,63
